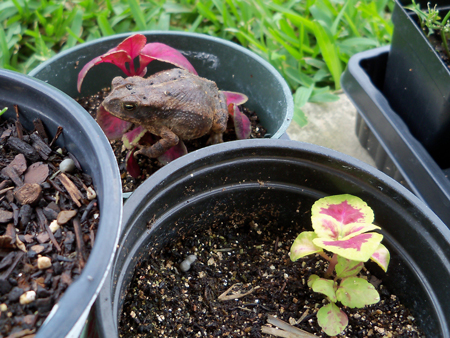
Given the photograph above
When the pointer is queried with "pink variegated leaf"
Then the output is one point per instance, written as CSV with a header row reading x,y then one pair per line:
x,y
116,57
159,51
131,139
173,153
347,267
322,285
242,125
234,97
112,126
332,319
303,245
381,256
132,165
358,248
357,292
344,208
327,227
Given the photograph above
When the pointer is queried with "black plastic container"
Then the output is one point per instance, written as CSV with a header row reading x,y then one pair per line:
x,y
418,81
213,183
83,137
231,66
387,137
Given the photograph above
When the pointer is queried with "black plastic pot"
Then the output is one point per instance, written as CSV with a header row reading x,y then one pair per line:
x,y
265,175
84,138
418,82
387,137
231,66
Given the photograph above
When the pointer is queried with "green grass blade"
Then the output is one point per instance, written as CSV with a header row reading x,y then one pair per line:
x,y
329,53
75,30
104,25
5,58
138,15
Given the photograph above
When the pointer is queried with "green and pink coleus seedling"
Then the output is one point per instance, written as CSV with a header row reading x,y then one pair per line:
x,y
114,128
342,225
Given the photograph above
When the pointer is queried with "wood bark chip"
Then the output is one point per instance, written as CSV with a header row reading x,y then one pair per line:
x,y
22,147
71,188
19,164
41,147
13,175
29,193
40,129
5,216
65,216
36,173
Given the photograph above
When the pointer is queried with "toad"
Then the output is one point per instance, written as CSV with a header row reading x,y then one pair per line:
x,y
173,104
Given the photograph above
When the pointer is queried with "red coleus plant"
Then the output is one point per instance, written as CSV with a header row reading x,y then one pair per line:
x,y
123,56
342,225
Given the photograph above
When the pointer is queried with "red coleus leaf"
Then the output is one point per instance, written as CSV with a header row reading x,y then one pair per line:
x,y
173,153
132,47
132,164
236,98
242,125
112,126
159,51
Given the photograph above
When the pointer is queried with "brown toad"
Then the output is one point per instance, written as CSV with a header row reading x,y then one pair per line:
x,y
173,104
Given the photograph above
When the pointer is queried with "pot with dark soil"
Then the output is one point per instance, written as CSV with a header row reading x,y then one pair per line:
x,y
206,240
229,66
60,211
417,82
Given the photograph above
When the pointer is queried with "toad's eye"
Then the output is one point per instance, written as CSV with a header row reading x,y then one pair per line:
x,y
129,87
129,106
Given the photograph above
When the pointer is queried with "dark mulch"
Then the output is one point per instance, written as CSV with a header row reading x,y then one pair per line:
x,y
47,226
149,166
163,301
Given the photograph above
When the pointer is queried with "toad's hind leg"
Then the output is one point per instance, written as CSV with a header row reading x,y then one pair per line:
x,y
167,141
220,120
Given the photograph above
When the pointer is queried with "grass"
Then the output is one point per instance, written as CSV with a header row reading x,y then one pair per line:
x,y
308,41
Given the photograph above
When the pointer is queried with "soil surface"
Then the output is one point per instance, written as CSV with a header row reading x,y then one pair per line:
x,y
149,166
251,259
48,222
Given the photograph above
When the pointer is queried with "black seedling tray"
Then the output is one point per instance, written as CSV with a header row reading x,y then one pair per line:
x,y
388,139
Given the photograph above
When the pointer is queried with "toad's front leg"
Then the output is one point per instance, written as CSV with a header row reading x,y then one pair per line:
x,y
167,141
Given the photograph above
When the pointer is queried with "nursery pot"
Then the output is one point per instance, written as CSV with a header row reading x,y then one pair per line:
x,y
386,136
83,137
231,66
418,81
212,184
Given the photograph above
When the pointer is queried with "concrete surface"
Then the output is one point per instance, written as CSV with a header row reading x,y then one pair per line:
x,y
331,125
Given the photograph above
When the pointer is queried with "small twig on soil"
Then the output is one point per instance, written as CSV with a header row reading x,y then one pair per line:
x,y
225,296
58,132
80,243
284,329
6,273
5,190
19,127
43,222
71,188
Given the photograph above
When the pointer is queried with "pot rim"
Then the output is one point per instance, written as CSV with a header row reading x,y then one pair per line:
x,y
91,279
